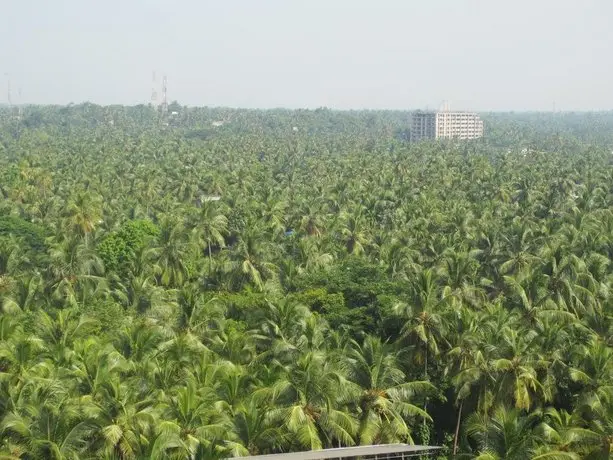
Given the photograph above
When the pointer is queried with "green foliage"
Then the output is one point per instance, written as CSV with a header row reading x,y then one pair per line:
x,y
320,300
114,252
334,309
137,233
201,134
170,288
244,305
117,250
355,295
359,281
31,234
108,315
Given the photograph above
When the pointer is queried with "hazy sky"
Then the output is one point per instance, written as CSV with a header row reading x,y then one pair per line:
x,y
399,54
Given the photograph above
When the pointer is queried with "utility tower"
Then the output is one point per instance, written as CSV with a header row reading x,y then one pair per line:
x,y
9,97
19,104
164,95
8,89
154,92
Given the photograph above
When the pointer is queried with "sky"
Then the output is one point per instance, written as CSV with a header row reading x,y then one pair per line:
x,y
484,55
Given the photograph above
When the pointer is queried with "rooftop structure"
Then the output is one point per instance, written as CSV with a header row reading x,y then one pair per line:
x,y
445,125
380,452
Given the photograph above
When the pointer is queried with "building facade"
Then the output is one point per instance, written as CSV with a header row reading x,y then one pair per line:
x,y
423,126
445,125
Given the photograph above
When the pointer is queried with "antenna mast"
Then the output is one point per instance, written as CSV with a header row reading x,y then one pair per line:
x,y
8,89
154,93
164,94
20,104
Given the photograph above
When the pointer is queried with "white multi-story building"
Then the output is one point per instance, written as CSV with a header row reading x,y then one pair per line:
x,y
445,125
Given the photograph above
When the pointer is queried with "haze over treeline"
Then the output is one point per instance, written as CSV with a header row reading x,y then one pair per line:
x,y
522,55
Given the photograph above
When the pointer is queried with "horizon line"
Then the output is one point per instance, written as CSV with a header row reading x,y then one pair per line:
x,y
4,105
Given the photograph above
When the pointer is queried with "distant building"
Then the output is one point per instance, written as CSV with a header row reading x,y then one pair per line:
x,y
423,126
445,125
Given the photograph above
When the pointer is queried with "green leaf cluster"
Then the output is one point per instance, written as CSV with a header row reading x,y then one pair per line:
x,y
118,249
32,235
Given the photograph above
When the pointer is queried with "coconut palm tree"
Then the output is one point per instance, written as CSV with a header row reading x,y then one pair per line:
x,y
210,229
508,434
424,326
385,399
171,254
307,402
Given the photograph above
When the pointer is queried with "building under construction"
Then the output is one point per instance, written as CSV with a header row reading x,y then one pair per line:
x,y
445,125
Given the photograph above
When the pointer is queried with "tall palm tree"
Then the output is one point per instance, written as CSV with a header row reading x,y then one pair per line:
x,y
84,212
249,260
171,254
385,399
308,398
211,228
424,325
518,370
254,432
564,433
508,434
47,422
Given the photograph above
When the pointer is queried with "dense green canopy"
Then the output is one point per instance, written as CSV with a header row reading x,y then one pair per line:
x,y
347,287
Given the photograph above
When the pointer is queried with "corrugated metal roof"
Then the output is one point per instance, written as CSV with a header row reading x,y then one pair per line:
x,y
348,452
